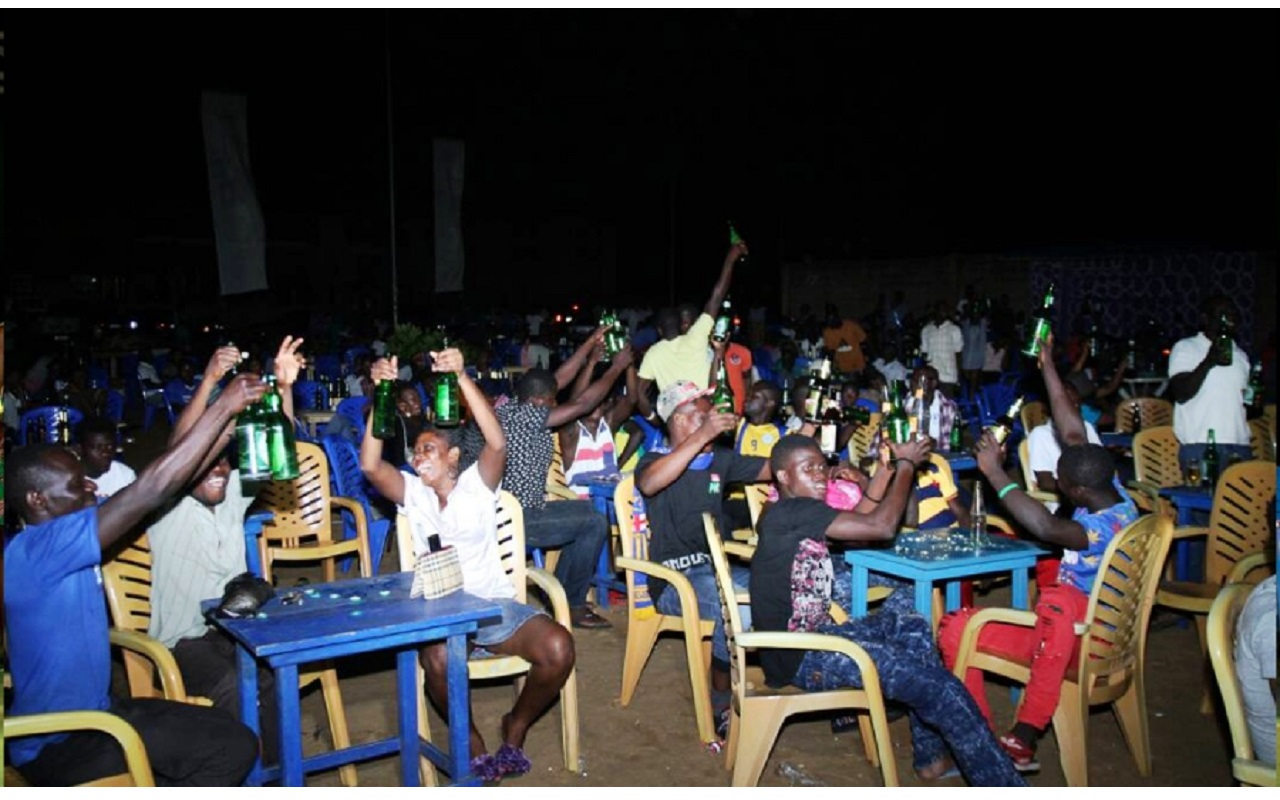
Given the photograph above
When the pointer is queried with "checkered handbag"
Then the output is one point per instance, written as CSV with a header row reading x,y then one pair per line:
x,y
437,574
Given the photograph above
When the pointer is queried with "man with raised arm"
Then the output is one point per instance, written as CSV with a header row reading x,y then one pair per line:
x,y
57,615
1086,478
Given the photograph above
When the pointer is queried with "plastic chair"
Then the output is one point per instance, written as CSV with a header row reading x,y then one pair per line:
x,y
1112,653
349,481
1261,440
994,399
304,396
353,409
645,622
757,712
1246,768
44,420
154,398
1155,467
135,754
1152,411
127,582
1029,476
303,509
510,534
1240,525
113,407
1034,414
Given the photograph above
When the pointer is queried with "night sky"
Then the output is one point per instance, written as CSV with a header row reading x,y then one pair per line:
x,y
834,134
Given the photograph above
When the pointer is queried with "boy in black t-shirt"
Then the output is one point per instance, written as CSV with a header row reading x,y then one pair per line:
x,y
680,484
791,590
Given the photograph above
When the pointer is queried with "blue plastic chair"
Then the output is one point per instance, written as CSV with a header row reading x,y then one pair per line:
x,y
304,395
328,366
45,420
153,400
113,408
353,409
348,481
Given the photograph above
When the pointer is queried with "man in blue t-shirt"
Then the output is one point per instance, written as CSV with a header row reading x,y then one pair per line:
x,y
1087,479
57,620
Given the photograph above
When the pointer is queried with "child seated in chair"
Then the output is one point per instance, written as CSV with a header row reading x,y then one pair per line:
x,y
794,583
459,506
1087,479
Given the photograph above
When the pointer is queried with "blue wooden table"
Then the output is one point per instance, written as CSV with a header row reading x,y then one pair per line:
x,y
1113,439
346,618
960,461
1188,500
913,557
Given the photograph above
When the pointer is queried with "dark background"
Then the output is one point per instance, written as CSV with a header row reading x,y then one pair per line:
x,y
605,151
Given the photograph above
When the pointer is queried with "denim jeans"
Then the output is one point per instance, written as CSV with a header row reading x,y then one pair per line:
x,y
703,579
943,715
579,531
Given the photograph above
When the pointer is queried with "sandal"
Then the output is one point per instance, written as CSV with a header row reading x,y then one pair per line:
x,y
511,761
485,768
586,617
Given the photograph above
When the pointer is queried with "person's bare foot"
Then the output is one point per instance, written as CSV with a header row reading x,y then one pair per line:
x,y
942,768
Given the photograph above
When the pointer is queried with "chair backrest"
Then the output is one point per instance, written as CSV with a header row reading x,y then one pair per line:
x,y
1240,523
1024,459
1153,412
757,496
300,506
862,436
1261,440
1155,456
127,581
510,533
557,482
41,423
728,608
632,543
994,399
1034,414
1121,600
346,479
353,409
1220,634
113,405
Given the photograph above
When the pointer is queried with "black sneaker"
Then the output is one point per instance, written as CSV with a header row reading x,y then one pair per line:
x,y
722,723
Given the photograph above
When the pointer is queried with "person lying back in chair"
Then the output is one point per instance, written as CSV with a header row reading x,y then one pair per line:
x,y
1086,479
459,506
793,584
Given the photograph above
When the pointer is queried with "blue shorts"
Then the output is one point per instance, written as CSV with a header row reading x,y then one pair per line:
x,y
514,615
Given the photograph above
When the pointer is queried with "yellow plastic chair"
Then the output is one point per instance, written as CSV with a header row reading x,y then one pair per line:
x,y
645,622
1029,477
1239,525
557,483
1112,651
757,712
1223,616
511,551
135,754
1251,569
1262,440
1034,414
1153,412
303,522
1155,467
127,581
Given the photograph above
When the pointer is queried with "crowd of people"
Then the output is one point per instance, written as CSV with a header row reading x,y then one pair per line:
x,y
655,408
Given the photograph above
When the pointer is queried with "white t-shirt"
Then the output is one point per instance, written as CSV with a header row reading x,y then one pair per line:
x,y
892,371
116,477
941,343
1044,450
1220,402
469,523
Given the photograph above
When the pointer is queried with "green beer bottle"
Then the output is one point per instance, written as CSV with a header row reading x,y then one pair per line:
x,y
281,447
1040,328
899,424
384,410
1209,470
448,401
956,444
734,238
251,440
1224,346
1003,426
724,322
722,395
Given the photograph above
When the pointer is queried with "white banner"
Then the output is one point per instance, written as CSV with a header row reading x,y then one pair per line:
x,y
238,229
449,174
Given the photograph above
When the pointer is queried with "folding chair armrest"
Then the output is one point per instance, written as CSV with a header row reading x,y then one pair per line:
x,y
151,649
787,640
969,640
347,504
1149,489
675,580
560,492
555,594
1190,531
135,753
1043,496
742,550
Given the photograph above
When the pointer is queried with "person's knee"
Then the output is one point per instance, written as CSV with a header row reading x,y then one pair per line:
x,y
1055,601
557,650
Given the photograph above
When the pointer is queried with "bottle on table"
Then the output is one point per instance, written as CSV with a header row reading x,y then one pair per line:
x,y
1040,327
1135,416
1210,468
978,518
448,399
1002,428
281,444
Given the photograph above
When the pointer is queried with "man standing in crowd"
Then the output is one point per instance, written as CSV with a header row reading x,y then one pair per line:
x,y
1208,387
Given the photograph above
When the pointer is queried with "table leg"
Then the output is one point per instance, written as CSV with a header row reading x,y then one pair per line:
x,y
459,710
859,600
407,697
953,595
1020,591
924,601
247,671
290,725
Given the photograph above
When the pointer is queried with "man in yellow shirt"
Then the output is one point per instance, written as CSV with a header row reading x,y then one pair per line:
x,y
759,430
